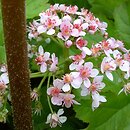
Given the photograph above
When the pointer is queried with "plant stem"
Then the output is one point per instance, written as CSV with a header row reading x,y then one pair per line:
x,y
14,25
66,55
42,81
48,99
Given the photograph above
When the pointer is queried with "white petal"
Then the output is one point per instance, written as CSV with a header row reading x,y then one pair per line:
x,y
46,56
124,65
94,73
75,33
75,74
58,83
89,65
98,79
84,26
41,29
60,112
87,83
102,99
62,119
66,87
76,83
109,75
77,21
51,31
82,33
40,50
72,66
43,67
5,78
85,91
86,51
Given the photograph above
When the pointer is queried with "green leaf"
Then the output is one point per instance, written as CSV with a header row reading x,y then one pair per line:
x,y
108,116
122,22
2,55
34,7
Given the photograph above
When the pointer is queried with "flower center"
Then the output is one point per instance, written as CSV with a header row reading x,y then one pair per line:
x,y
55,91
39,59
67,78
84,73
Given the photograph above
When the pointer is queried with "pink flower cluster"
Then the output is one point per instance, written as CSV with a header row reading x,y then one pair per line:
x,y
69,25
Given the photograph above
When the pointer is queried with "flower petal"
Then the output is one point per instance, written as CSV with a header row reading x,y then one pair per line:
x,y
66,87
109,75
86,51
51,31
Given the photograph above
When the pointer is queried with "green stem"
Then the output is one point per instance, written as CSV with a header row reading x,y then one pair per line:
x,y
36,75
42,81
66,55
48,99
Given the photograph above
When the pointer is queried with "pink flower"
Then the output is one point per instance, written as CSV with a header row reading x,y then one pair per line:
x,y
4,80
96,49
48,23
106,47
77,61
72,9
42,58
108,65
32,29
78,27
123,64
95,86
102,26
69,81
56,119
68,43
93,27
66,29
68,100
81,44
53,66
55,91
84,73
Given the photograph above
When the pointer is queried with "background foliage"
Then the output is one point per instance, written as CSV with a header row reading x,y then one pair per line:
x,y
113,115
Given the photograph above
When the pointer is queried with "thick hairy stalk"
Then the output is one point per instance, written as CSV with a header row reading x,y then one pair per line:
x,y
14,23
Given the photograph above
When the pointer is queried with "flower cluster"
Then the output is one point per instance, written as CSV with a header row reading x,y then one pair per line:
x,y
69,26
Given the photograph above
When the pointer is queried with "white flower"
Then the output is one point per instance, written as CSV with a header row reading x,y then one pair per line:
x,y
56,119
97,99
